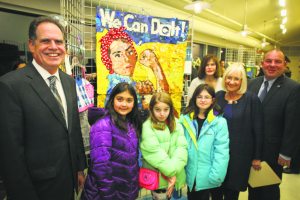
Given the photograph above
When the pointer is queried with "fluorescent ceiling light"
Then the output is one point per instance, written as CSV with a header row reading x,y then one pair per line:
x,y
197,6
282,3
283,12
244,32
284,20
264,43
284,31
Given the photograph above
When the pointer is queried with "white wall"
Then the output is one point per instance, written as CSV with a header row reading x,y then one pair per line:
x,y
41,7
14,27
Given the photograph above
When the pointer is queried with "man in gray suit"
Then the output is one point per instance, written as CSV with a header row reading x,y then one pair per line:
x,y
41,149
280,96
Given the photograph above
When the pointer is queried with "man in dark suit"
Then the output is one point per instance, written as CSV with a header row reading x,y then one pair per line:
x,y
295,164
281,127
41,149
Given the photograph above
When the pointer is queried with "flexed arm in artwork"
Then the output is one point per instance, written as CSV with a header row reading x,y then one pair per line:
x,y
149,59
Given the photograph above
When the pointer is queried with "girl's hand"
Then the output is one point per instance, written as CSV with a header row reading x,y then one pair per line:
x,y
81,179
256,164
171,181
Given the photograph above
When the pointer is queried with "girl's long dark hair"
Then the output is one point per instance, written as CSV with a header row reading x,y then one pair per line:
x,y
132,117
192,107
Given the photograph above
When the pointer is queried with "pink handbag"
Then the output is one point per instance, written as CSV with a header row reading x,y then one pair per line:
x,y
148,179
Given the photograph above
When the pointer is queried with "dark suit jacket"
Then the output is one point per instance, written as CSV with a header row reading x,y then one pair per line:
x,y
39,155
281,125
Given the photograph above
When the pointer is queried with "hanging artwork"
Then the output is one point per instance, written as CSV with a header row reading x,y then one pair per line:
x,y
148,52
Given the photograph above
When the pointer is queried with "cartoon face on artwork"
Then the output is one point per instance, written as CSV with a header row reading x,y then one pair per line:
x,y
118,53
123,57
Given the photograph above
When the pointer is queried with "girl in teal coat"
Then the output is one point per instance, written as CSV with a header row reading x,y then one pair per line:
x,y
163,146
208,143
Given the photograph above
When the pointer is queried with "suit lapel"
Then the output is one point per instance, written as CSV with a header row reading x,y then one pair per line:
x,y
43,91
273,90
257,85
68,94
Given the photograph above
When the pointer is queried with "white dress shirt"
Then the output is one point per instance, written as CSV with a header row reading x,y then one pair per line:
x,y
263,85
45,75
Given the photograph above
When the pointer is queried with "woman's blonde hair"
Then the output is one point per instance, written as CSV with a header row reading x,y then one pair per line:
x,y
236,67
170,121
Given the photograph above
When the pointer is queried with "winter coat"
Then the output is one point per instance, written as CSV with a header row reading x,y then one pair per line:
x,y
113,173
165,152
208,155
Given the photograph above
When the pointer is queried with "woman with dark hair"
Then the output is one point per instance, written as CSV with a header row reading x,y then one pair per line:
x,y
206,133
208,73
113,172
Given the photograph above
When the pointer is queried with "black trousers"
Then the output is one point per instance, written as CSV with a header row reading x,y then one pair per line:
x,y
2,189
295,162
198,195
192,194
263,193
221,193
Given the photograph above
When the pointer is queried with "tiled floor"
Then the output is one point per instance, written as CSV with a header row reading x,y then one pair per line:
x,y
290,189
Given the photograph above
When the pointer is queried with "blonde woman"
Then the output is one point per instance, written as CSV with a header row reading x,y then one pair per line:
x,y
243,112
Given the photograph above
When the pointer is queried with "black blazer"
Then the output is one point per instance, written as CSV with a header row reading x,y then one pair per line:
x,y
245,128
39,155
280,111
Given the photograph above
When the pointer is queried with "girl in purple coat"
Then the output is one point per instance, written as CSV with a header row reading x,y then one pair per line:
x,y
113,172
